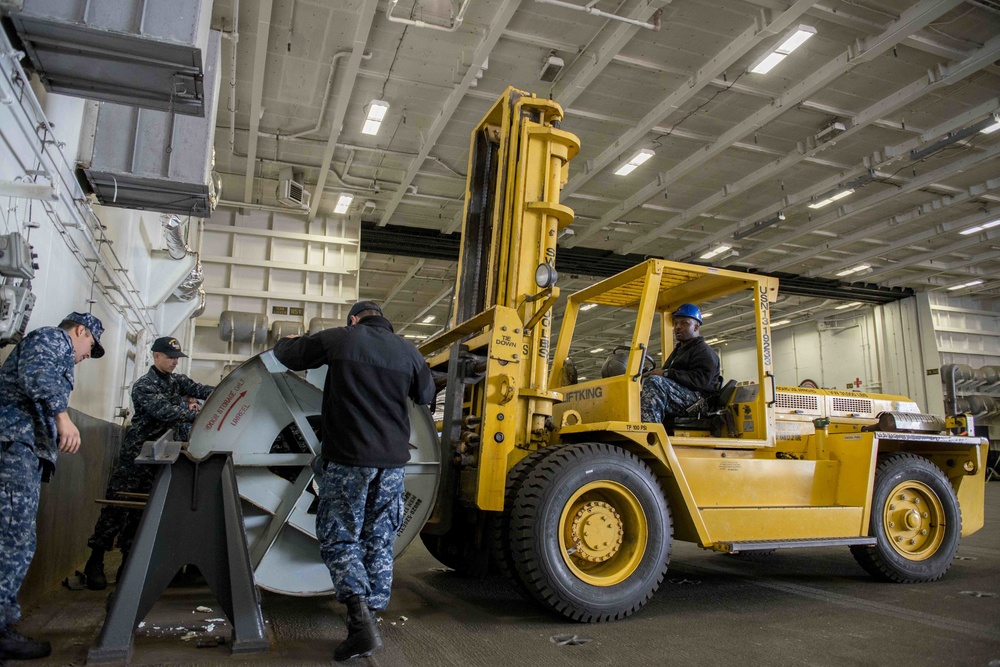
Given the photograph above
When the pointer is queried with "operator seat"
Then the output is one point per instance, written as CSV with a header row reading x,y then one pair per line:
x,y
709,413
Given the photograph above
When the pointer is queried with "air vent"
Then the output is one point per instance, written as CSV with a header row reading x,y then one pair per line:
x,y
292,192
852,405
797,402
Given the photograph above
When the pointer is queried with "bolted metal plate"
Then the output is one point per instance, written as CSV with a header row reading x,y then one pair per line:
x,y
268,417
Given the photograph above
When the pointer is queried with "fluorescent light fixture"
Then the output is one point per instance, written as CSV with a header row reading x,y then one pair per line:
x,y
780,322
971,283
589,306
596,350
415,336
343,203
831,199
848,305
713,341
581,378
792,41
990,129
759,225
857,269
637,159
377,109
428,319
718,250
979,228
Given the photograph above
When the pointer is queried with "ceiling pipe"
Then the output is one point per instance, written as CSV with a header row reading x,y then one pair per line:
x,y
234,38
589,8
456,22
326,94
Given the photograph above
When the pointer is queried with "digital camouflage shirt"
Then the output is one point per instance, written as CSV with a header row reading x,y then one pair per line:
x,y
35,383
159,401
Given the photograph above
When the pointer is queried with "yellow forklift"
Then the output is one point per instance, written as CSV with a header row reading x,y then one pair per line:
x,y
560,485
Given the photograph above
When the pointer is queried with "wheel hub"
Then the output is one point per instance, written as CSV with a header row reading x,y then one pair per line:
x,y
596,532
914,520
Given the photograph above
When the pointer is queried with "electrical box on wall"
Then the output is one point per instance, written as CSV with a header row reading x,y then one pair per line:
x,y
155,160
16,257
135,52
16,303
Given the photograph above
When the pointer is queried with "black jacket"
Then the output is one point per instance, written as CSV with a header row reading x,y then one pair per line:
x,y
695,365
371,372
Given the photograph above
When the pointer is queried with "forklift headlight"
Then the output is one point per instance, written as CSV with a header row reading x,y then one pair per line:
x,y
545,276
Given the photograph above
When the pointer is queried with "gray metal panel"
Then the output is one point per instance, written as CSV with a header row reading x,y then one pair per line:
x,y
135,52
154,160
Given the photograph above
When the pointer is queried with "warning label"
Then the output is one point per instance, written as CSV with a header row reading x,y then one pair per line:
x,y
224,414
410,505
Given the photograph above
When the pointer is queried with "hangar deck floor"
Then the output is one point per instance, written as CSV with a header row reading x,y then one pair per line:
x,y
814,607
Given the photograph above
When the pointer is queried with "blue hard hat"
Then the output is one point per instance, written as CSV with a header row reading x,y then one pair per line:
x,y
688,310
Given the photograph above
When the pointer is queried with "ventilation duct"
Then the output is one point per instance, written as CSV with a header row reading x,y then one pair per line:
x,y
190,287
134,52
154,160
173,235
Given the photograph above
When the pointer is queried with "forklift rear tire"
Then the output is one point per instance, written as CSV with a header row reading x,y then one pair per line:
x,y
591,532
915,519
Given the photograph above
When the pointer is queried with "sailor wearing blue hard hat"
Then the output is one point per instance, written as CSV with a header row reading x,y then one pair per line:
x,y
690,373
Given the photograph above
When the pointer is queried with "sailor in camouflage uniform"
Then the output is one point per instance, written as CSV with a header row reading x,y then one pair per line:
x,y
161,399
35,383
689,373
365,433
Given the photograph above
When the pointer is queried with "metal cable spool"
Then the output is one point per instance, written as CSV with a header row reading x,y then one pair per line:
x,y
268,418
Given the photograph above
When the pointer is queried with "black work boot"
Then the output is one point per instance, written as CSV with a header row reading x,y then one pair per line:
x,y
93,571
363,637
15,646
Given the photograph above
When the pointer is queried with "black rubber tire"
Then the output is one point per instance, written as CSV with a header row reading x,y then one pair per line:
x,y
537,531
463,548
500,522
884,561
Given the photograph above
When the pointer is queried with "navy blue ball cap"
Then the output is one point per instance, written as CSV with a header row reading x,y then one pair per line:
x,y
362,306
96,329
168,346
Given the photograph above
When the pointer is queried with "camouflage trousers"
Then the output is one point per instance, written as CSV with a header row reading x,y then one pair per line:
x,y
662,397
359,512
130,478
20,481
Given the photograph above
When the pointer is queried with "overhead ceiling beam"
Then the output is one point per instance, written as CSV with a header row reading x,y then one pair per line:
x,y
599,53
733,51
499,23
346,87
945,75
257,92
430,306
972,241
848,211
878,159
394,292
913,19
896,221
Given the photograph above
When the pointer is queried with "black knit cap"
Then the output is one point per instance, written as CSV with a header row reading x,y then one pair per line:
x,y
362,306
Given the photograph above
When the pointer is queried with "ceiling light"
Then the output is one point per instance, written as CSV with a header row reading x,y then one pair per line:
x,y
589,306
848,305
989,124
596,350
971,283
979,228
343,203
780,322
415,336
718,250
704,315
637,159
377,110
832,130
829,200
857,269
792,41
713,341
428,319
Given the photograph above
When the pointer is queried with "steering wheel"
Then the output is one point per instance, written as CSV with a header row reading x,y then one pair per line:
x,y
647,362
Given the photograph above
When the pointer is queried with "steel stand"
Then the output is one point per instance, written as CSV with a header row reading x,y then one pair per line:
x,y
192,517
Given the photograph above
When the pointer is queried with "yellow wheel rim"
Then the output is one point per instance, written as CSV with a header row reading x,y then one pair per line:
x,y
603,533
914,520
